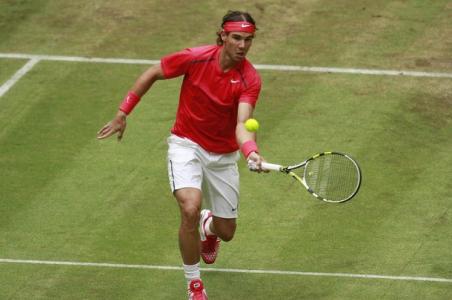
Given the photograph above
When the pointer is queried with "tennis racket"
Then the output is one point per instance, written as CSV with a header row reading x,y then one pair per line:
x,y
329,176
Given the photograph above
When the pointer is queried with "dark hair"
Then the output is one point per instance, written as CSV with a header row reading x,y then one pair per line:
x,y
234,15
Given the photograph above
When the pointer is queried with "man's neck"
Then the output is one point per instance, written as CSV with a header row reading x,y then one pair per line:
x,y
226,62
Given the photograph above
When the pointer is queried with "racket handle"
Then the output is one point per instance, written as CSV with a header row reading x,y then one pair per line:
x,y
271,167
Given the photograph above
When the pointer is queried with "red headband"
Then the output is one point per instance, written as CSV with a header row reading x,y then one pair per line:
x,y
239,26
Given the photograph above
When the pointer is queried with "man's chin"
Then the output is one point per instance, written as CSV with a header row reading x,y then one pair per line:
x,y
239,57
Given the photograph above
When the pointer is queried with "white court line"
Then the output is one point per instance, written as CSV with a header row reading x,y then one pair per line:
x,y
81,59
355,71
246,271
258,66
18,75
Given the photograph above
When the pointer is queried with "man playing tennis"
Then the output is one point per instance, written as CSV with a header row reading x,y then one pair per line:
x,y
218,94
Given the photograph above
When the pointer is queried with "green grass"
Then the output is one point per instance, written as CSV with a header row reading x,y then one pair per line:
x,y
64,196
8,68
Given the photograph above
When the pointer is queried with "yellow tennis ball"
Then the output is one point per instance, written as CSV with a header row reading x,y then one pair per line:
x,y
252,125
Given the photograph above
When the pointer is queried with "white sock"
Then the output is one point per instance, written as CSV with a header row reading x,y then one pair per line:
x,y
192,272
207,226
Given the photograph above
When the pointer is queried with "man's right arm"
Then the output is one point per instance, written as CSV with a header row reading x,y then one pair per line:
x,y
147,79
141,86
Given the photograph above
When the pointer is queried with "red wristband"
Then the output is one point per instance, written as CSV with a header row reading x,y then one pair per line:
x,y
129,102
248,147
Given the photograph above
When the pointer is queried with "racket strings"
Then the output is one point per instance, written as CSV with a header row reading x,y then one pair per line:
x,y
332,177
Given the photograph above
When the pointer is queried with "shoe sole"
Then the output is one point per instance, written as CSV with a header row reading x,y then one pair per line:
x,y
203,218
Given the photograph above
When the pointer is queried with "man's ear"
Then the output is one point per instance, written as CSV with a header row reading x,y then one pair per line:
x,y
223,36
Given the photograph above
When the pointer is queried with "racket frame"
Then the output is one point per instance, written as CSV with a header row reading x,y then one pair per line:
x,y
288,170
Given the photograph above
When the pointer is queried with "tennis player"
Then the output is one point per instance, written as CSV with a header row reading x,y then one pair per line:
x,y
218,94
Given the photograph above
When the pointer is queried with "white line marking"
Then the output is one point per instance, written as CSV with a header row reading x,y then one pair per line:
x,y
258,66
18,75
81,59
355,71
247,271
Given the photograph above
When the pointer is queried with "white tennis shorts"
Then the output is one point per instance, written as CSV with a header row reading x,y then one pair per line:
x,y
216,175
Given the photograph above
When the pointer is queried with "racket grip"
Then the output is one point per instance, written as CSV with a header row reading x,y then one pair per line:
x,y
271,167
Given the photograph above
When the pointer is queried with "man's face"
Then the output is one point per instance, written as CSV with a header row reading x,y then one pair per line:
x,y
237,44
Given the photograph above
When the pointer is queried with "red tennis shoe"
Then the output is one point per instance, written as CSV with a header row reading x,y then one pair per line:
x,y
196,290
210,244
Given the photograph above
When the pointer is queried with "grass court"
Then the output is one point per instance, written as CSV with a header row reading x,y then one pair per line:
x,y
67,197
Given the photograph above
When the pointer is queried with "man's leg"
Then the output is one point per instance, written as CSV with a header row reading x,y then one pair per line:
x,y
189,200
221,190
185,176
213,229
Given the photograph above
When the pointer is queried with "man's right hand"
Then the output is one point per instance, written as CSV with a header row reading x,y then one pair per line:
x,y
255,162
117,125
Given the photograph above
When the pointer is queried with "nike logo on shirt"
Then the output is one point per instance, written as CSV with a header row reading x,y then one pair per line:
x,y
235,81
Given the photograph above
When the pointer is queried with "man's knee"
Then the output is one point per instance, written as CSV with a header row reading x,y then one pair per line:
x,y
227,236
224,228
190,206
190,216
